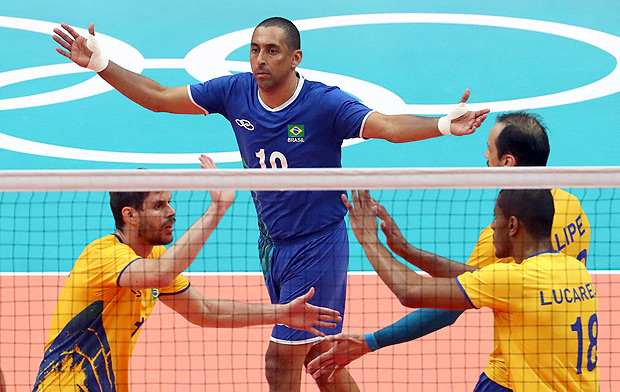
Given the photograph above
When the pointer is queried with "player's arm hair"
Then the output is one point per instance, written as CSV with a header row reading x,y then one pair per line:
x,y
149,93
416,324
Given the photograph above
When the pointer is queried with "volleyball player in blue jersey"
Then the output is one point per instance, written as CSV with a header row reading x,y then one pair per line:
x,y
282,120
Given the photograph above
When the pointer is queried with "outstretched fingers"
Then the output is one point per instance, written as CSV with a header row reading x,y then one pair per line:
x,y
388,226
326,317
62,38
465,96
300,314
70,30
65,41
327,366
226,197
75,47
346,202
206,162
346,348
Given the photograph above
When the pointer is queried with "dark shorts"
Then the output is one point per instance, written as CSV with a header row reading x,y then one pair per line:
x,y
291,269
485,384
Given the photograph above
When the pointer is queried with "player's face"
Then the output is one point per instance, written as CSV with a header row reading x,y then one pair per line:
x,y
156,219
271,60
500,226
491,153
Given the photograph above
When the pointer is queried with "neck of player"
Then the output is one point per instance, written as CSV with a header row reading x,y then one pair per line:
x,y
278,95
130,238
530,248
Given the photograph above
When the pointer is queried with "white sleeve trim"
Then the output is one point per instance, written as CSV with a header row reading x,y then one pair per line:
x,y
364,123
189,94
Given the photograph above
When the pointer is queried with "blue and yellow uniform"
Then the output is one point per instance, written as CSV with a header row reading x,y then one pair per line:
x,y
570,234
303,239
96,323
545,312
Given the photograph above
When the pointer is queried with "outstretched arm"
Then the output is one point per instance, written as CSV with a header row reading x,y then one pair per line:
x,y
433,264
407,128
298,314
416,324
412,289
146,92
160,272
350,346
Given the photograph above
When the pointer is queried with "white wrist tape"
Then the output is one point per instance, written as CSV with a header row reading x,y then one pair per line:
x,y
98,62
445,121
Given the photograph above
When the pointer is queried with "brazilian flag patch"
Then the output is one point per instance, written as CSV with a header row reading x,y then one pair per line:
x,y
295,130
295,133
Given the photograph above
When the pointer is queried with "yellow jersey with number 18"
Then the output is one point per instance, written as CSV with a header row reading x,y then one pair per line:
x,y
545,314
570,235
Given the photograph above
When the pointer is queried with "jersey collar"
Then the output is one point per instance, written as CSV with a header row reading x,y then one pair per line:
x,y
289,101
542,253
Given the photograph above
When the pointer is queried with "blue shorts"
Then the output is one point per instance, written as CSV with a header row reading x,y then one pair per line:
x,y
291,269
485,384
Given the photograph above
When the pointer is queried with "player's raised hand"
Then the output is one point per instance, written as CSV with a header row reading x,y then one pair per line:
x,y
461,121
394,237
348,347
82,51
74,44
223,198
299,314
362,216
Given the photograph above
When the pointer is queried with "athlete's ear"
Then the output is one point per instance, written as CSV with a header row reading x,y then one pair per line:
x,y
513,226
129,214
509,160
296,58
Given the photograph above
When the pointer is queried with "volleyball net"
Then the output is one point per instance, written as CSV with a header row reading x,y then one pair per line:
x,y
48,217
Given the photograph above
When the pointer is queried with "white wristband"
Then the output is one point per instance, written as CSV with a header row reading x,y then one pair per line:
x,y
98,62
444,122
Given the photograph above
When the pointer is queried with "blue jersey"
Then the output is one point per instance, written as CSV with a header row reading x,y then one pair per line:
x,y
307,131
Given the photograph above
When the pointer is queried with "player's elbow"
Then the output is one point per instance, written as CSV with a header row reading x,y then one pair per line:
x,y
395,138
161,100
158,106
409,296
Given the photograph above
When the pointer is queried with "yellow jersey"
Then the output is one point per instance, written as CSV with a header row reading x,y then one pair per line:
x,y
570,235
96,323
545,313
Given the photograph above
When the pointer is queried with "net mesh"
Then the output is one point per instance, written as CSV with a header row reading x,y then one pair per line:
x,y
49,217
